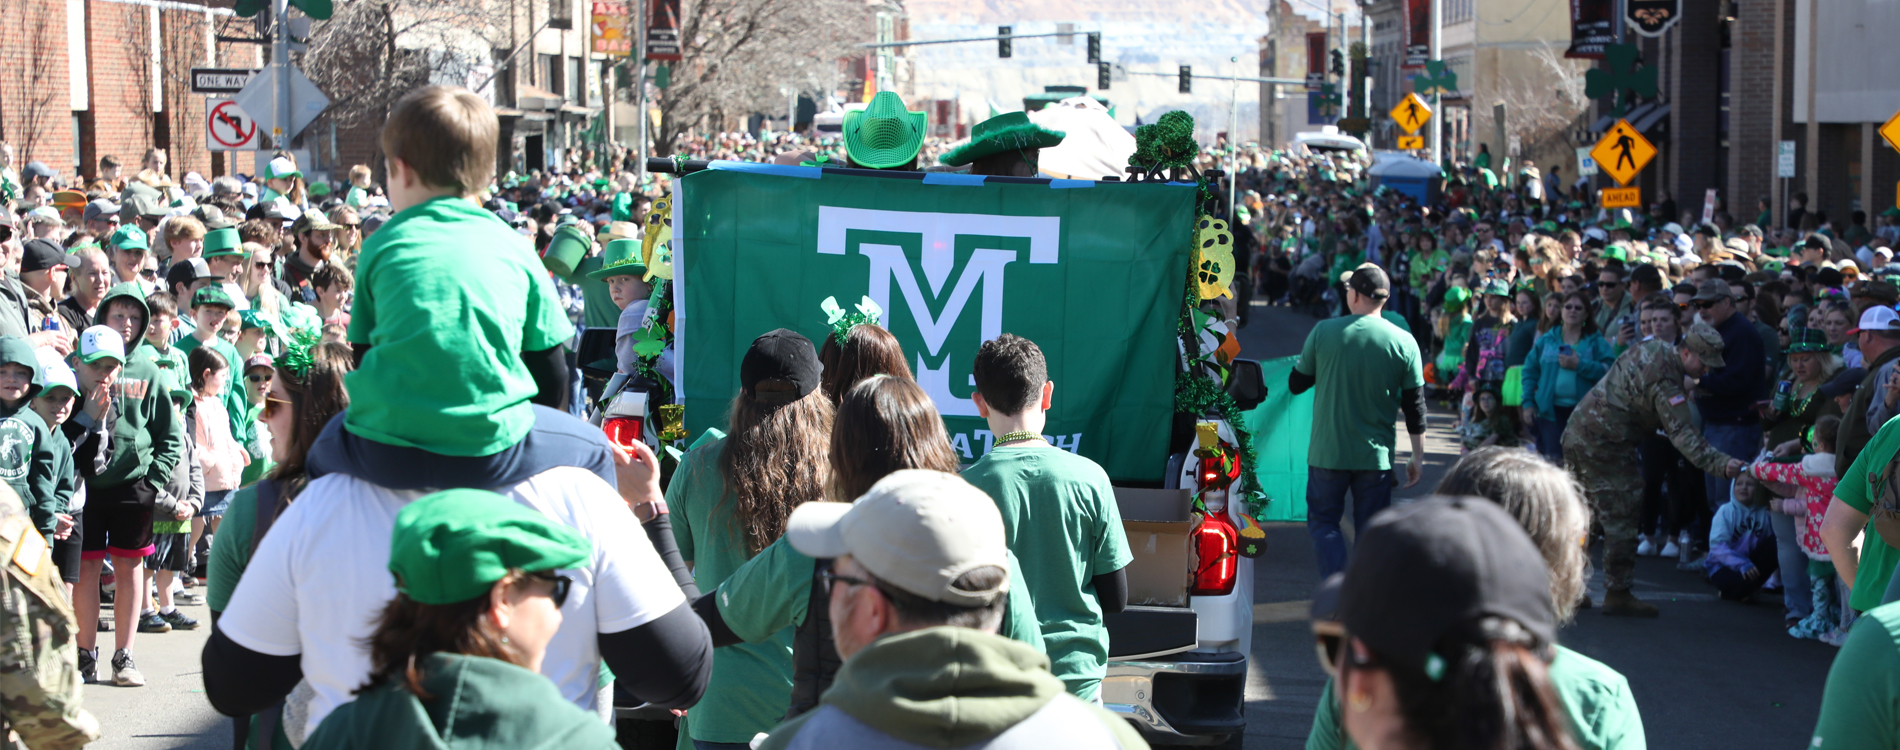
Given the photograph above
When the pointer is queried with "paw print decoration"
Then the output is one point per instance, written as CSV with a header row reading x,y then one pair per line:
x,y
1214,247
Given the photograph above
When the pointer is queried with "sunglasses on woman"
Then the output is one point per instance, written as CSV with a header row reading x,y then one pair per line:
x,y
562,585
272,404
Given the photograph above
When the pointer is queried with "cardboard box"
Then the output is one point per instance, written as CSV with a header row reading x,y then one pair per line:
x,y
1157,523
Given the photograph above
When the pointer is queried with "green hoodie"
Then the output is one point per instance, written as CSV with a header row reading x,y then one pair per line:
x,y
147,440
478,703
28,458
949,687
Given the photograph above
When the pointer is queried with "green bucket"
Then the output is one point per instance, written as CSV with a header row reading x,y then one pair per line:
x,y
568,248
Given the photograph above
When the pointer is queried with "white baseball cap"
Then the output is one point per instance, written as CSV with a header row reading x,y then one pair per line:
x,y
1879,318
918,530
99,342
1672,228
54,370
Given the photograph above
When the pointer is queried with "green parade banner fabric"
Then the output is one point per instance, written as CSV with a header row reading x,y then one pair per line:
x,y
1282,426
1093,273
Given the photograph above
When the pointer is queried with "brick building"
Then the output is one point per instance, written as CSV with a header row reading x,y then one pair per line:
x,y
83,79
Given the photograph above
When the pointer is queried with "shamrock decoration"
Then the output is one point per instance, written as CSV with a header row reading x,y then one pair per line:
x,y
842,322
1621,75
656,247
649,341
1215,248
1437,80
1167,144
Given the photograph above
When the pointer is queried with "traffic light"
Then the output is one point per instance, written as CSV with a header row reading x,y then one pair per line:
x,y
1339,63
1095,47
1002,41
1101,76
1187,79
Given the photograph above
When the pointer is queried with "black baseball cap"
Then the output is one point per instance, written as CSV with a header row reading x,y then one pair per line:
x,y
189,270
42,254
1844,383
1423,570
781,356
1368,279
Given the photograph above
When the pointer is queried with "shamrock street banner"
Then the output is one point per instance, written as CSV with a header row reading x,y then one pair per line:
x,y
1091,272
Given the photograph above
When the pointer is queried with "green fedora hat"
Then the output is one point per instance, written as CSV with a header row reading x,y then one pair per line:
x,y
223,241
1807,340
884,134
622,259
1010,131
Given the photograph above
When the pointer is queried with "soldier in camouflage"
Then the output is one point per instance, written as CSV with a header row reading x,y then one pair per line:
x,y
39,670
1643,392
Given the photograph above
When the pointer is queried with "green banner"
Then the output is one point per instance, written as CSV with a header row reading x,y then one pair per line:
x,y
1282,426
1091,272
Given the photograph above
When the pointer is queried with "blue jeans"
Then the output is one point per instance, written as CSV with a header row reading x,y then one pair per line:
x,y
1326,505
1796,594
1550,434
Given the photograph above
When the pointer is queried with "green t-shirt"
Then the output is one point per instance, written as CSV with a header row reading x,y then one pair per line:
x,y
1360,364
1596,698
1059,511
232,554
1860,708
1859,487
448,297
772,591
751,684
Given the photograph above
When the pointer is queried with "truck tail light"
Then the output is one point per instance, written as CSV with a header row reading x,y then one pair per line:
x,y
623,431
1217,554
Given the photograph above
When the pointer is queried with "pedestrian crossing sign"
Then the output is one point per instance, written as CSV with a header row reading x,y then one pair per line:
x,y
1891,131
1411,113
1411,142
1622,152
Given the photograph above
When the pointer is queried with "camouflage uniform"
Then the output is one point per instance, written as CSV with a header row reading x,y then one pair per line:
x,y
1640,394
39,671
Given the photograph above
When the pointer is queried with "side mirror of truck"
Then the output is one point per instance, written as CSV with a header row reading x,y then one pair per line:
x,y
1246,384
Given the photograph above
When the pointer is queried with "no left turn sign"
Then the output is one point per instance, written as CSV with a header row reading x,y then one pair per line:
x,y
228,127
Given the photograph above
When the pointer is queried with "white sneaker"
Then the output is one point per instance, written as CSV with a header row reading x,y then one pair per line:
x,y
1645,548
1670,550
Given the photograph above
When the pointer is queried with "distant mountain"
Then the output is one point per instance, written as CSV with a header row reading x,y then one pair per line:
x,y
1141,36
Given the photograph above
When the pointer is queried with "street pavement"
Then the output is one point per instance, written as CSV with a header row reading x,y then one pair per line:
x,y
1706,674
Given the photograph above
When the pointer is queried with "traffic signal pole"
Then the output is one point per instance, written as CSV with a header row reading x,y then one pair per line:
x,y
1437,53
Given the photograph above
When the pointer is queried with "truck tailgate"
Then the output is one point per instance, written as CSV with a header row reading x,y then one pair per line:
x,y
1158,620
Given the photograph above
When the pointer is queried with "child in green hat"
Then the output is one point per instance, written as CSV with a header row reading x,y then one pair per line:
x,y
622,271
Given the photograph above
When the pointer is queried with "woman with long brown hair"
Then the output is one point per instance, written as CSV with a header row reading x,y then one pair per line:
x,y
728,501
867,350
455,655
885,424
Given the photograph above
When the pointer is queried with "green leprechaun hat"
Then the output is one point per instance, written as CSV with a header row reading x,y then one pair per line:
x,y
884,134
1010,131
621,258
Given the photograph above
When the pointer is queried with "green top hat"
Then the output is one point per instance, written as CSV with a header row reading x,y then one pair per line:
x,y
1010,131
1807,340
622,259
221,242
884,134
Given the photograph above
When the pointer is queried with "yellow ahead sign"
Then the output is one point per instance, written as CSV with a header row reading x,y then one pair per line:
x,y
1623,152
1411,113
1621,197
1411,143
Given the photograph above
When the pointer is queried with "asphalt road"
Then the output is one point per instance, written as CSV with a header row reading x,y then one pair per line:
x,y
1707,673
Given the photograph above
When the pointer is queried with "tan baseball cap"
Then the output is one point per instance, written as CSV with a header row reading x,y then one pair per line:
x,y
918,530
1706,343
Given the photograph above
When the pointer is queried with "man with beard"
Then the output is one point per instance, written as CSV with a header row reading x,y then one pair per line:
x,y
315,236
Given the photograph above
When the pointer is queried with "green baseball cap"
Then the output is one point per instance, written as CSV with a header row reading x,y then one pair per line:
x,y
622,258
213,295
884,134
454,545
221,242
129,237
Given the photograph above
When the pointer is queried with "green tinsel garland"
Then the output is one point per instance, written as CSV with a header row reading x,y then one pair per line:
x,y
1167,144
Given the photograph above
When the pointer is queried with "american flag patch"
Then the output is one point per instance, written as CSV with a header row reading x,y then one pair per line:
x,y
1677,401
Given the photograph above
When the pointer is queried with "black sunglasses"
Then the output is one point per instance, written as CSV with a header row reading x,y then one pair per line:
x,y
562,585
1705,304
831,577
258,378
